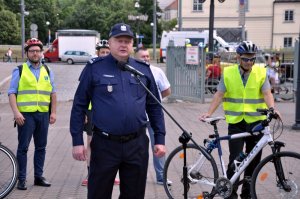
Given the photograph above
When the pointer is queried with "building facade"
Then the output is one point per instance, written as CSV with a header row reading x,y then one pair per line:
x,y
270,24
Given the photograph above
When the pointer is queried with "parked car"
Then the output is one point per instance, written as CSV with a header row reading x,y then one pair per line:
x,y
72,57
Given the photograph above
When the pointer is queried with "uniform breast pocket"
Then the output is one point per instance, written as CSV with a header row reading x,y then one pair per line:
x,y
106,86
136,88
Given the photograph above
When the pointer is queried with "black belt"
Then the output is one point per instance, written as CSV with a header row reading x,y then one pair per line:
x,y
119,138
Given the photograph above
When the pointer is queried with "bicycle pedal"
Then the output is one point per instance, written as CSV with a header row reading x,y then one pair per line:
x,y
205,195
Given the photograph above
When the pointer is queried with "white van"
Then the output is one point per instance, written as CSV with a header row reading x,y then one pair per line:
x,y
195,38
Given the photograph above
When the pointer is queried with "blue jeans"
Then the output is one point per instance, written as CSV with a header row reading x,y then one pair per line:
x,y
36,126
158,163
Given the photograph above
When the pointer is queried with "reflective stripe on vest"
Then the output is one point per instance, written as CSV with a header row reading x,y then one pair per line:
x,y
240,102
90,106
34,95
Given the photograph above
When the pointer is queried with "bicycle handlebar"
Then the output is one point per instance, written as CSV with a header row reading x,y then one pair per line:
x,y
270,113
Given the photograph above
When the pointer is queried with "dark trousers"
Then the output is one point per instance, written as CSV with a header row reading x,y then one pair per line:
x,y
236,146
108,157
36,126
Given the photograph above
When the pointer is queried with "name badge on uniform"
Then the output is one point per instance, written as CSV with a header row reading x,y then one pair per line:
x,y
109,88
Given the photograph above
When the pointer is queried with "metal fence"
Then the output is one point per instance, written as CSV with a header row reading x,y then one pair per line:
x,y
188,81
184,79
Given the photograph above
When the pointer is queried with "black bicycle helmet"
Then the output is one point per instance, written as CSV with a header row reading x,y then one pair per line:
x,y
246,47
102,44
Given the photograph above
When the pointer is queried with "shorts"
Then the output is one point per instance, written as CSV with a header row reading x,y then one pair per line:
x,y
88,127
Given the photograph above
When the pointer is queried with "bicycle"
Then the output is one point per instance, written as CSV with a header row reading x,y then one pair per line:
x,y
276,176
8,171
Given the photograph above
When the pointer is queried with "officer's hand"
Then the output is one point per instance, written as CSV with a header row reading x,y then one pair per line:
x,y
52,118
159,150
86,120
19,118
79,153
203,116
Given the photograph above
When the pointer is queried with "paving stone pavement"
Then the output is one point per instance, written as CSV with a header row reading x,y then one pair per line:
x,y
66,174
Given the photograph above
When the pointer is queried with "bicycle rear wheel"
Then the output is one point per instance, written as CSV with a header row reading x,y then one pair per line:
x,y
8,171
265,183
173,171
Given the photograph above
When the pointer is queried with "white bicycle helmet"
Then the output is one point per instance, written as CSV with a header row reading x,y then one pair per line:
x,y
246,47
102,44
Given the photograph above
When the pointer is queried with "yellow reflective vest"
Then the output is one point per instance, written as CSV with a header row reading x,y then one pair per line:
x,y
34,95
240,102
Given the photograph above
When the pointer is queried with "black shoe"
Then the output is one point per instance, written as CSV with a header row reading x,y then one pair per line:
x,y
21,185
41,181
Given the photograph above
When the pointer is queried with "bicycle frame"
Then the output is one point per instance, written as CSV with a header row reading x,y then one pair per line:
x,y
267,138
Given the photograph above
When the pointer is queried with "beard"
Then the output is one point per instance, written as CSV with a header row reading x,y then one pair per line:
x,y
34,60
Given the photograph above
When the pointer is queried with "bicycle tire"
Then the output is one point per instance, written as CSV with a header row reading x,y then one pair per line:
x,y
8,171
173,171
264,180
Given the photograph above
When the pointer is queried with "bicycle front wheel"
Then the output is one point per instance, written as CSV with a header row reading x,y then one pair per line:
x,y
201,173
265,183
8,171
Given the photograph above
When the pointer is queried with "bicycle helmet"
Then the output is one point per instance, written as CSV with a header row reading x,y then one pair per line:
x,y
33,42
102,44
246,47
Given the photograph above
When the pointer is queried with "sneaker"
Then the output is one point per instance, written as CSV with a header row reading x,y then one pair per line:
x,y
84,182
161,182
116,182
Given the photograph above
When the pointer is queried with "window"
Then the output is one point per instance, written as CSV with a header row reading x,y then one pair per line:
x,y
197,6
288,15
287,42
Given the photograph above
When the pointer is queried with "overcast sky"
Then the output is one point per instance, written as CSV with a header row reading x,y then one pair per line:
x,y
164,3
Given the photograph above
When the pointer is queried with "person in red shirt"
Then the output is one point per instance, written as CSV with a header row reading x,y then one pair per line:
x,y
213,74
214,70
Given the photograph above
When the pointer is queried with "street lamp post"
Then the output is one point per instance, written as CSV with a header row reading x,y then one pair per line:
x,y
211,23
154,30
49,33
23,13
137,18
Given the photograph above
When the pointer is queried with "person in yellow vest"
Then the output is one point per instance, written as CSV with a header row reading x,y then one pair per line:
x,y
31,92
188,43
243,88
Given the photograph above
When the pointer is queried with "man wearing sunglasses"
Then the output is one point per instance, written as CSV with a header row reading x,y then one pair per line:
x,y
243,88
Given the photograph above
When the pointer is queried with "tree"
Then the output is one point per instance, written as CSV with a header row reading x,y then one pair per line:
x,y
169,25
8,22
97,15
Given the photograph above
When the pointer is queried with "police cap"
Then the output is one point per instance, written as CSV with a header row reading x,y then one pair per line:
x,y
121,29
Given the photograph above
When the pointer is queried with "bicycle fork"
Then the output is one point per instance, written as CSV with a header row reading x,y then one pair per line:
x,y
278,166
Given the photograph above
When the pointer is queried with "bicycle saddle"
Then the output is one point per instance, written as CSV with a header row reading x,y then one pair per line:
x,y
213,119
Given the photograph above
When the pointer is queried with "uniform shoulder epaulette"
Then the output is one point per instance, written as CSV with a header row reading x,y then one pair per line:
x,y
142,62
95,59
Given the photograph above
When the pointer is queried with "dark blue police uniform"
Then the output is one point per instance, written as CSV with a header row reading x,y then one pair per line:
x,y
119,111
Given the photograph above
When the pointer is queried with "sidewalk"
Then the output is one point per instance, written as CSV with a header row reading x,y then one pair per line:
x,y
66,174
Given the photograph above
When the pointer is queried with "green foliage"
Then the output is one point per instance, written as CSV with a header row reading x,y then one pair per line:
x,y
169,25
10,29
97,15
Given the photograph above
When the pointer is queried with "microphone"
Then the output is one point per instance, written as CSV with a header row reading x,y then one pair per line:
x,y
125,67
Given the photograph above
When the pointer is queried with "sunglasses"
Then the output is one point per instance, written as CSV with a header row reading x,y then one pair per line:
x,y
245,59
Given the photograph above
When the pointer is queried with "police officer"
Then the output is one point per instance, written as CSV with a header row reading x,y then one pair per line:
x,y
31,90
243,88
120,104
